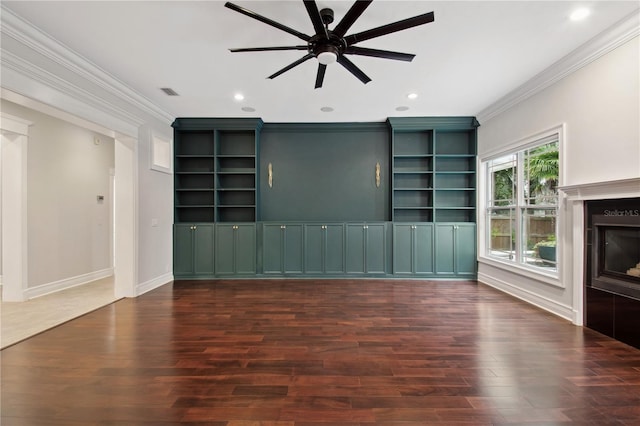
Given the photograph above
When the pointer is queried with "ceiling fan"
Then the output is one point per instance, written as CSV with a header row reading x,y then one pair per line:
x,y
330,46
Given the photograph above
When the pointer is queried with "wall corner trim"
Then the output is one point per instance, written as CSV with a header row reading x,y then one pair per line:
x,y
617,35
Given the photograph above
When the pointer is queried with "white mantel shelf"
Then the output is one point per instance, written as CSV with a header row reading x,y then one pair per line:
x,y
623,188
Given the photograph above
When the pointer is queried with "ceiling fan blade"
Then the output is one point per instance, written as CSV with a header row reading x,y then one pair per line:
x,y
288,67
266,49
390,28
377,53
316,19
320,76
353,69
267,21
354,13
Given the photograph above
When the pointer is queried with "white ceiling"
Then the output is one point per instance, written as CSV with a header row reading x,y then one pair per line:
x,y
473,54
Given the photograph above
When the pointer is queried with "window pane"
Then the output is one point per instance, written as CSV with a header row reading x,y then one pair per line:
x,y
502,175
502,224
539,237
541,175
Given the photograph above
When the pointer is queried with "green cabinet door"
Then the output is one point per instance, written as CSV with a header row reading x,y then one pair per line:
x,y
193,250
413,249
224,249
282,248
334,249
203,249
235,248
445,249
456,249
293,248
324,249
403,249
314,249
365,248
272,249
466,262
423,245
376,248
355,246
183,249
245,249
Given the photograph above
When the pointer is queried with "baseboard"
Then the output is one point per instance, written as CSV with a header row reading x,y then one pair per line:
x,y
549,305
66,283
153,283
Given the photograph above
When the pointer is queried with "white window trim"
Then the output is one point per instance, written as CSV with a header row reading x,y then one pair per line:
x,y
554,279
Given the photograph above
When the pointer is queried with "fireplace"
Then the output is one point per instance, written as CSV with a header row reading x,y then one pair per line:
x,y
616,252
612,270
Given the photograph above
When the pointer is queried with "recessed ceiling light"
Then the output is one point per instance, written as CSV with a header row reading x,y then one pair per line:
x,y
326,109
248,109
238,96
402,108
579,14
412,95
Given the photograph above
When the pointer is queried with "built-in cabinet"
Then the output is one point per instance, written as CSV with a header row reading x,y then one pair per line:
x,y
413,248
193,253
282,248
324,249
235,248
456,254
427,185
366,248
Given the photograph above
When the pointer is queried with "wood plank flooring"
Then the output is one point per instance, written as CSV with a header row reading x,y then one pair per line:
x,y
320,352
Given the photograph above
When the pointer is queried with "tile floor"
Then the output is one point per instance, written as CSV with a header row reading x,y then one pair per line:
x,y
21,320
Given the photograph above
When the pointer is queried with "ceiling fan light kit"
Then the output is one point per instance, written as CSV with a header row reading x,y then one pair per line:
x,y
329,46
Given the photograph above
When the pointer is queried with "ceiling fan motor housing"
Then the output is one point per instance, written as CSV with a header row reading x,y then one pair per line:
x,y
326,15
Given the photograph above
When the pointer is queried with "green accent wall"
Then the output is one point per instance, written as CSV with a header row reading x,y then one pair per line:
x,y
324,172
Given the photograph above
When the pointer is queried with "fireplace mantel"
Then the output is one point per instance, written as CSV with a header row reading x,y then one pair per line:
x,y
575,197
623,188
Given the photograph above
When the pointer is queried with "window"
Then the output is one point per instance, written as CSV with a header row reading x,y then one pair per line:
x,y
522,205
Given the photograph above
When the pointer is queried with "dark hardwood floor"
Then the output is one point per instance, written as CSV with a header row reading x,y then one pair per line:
x,y
320,352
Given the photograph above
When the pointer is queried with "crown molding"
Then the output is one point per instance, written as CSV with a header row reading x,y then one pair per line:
x,y
617,35
12,62
27,34
623,188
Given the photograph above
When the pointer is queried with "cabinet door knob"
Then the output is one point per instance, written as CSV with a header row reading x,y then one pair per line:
x,y
283,227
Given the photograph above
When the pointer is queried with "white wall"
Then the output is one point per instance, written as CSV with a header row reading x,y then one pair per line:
x,y
600,107
69,231
155,216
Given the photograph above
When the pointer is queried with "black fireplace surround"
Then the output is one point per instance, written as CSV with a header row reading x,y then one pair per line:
x,y
612,275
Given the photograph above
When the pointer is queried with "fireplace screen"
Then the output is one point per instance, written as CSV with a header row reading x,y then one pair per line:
x,y
621,252
616,254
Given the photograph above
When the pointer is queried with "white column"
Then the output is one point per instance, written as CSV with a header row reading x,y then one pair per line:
x,y
14,137
126,251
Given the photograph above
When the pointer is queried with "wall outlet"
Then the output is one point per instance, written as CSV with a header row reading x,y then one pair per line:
x,y
154,222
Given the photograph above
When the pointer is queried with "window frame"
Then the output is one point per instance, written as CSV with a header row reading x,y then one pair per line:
x,y
518,149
